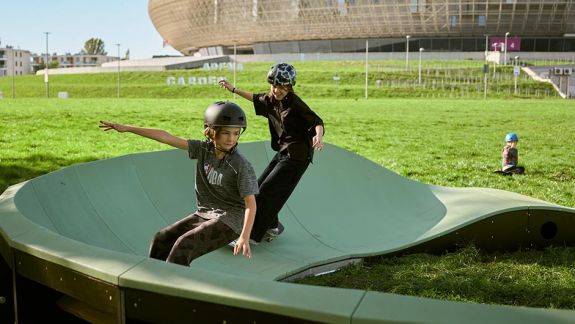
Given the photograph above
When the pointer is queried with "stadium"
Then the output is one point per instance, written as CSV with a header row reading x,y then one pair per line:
x,y
212,27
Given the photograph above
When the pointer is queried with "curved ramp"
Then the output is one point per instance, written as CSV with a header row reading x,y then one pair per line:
x,y
90,225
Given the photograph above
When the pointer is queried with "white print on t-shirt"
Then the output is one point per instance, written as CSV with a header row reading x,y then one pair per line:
x,y
214,177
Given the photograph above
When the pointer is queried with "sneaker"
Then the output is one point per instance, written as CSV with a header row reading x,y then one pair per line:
x,y
271,234
234,242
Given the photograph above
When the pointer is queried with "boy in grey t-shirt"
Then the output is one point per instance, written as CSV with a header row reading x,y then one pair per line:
x,y
226,186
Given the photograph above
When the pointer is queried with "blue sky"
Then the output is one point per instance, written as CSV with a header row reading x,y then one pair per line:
x,y
72,22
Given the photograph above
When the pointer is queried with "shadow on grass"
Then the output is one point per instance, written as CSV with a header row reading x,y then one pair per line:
x,y
13,171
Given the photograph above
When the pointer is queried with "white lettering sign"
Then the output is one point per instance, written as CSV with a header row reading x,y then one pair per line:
x,y
223,66
192,81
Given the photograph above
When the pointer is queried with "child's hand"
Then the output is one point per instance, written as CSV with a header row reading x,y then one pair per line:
x,y
108,126
226,85
317,142
244,245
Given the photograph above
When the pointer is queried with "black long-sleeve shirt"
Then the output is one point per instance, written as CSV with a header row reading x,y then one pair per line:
x,y
291,124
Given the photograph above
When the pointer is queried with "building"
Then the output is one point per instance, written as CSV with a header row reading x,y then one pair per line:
x,y
74,60
330,26
14,62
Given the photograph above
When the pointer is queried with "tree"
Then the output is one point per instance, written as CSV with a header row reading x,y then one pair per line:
x,y
54,64
94,46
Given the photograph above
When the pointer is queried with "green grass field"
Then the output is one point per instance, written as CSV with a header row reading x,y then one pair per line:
x,y
441,141
386,79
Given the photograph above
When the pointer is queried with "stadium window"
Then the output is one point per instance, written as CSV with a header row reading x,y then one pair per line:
x,y
453,21
527,44
440,44
570,44
456,44
469,45
556,45
481,21
341,7
541,45
414,6
254,10
425,43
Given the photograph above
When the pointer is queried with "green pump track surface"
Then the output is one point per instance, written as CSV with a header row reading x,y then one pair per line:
x,y
95,220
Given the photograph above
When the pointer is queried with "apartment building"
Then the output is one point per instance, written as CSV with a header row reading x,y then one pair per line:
x,y
14,61
74,60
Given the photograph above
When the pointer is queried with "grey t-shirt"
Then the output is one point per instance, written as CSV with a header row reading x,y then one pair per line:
x,y
221,185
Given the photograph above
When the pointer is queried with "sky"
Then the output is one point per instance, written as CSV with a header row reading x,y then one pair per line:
x,y
71,23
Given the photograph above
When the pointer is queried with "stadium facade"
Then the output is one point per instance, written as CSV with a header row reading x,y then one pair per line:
x,y
216,27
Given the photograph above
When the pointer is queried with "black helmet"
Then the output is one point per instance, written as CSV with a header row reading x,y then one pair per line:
x,y
282,74
225,113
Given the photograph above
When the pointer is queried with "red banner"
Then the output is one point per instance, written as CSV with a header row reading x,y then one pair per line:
x,y
498,44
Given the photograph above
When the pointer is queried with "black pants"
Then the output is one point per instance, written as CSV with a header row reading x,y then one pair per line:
x,y
190,238
276,183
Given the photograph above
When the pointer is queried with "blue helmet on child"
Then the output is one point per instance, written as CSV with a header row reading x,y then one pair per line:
x,y
511,137
282,74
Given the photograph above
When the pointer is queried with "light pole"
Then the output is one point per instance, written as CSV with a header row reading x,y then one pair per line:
x,y
235,62
505,50
13,73
516,72
486,46
420,50
119,59
407,52
366,66
46,67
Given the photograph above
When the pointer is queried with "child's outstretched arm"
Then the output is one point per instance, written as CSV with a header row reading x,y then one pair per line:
x,y
244,239
242,93
152,133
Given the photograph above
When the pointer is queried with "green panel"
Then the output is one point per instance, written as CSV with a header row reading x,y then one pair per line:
x,y
93,261
12,223
342,192
258,155
28,203
167,177
293,251
63,199
116,193
389,308
331,305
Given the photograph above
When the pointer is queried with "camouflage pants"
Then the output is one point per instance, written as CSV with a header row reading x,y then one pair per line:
x,y
190,238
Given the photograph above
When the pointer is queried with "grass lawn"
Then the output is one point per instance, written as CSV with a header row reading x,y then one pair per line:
x,y
443,142
386,78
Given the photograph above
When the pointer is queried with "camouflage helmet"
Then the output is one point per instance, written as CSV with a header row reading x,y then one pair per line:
x,y
282,74
226,114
